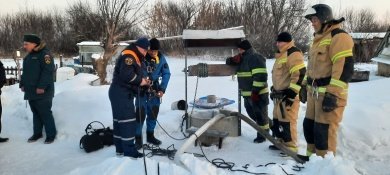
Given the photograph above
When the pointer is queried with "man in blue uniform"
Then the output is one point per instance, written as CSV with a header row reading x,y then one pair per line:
x,y
148,103
126,83
37,83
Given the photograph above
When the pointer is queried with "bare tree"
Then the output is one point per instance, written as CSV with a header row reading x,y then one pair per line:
x,y
363,20
117,22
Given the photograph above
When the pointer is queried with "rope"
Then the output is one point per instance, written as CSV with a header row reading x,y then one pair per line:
x,y
221,163
140,117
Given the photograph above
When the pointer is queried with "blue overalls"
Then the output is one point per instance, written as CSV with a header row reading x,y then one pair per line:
x,y
125,84
149,102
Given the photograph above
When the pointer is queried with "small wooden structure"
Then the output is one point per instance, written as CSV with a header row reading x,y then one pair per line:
x,y
365,45
210,39
89,48
382,56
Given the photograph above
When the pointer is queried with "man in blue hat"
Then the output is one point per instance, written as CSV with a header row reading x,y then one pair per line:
x,y
126,83
37,83
148,103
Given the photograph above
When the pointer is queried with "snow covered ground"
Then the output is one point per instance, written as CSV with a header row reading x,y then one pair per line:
x,y
363,138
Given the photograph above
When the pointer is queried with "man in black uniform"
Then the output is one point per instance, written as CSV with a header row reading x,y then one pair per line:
x,y
252,82
37,83
2,82
126,83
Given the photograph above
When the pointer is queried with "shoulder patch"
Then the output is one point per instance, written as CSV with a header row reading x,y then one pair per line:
x,y
337,31
129,61
47,59
292,50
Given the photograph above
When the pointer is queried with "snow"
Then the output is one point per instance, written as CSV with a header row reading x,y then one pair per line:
x,y
64,73
363,137
368,35
213,34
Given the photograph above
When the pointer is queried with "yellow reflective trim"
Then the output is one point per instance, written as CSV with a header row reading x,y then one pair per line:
x,y
297,67
282,60
338,83
249,93
325,42
264,127
321,89
308,153
305,78
244,74
294,149
259,70
295,86
342,54
246,93
258,84
263,91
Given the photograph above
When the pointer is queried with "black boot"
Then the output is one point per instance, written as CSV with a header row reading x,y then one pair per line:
x,y
273,147
49,140
259,139
151,139
134,153
3,140
34,138
138,142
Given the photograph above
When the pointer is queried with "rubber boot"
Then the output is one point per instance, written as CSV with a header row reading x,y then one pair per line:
x,y
138,142
151,139
260,138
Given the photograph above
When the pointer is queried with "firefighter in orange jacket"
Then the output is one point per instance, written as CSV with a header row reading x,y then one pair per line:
x,y
330,68
287,76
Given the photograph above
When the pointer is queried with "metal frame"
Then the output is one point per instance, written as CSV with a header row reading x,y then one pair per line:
x,y
204,43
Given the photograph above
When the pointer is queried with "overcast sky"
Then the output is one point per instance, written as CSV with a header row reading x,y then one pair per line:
x,y
11,6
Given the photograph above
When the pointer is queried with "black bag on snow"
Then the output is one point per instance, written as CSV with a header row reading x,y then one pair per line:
x,y
95,139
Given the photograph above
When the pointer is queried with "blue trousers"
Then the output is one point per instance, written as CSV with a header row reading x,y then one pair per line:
x,y
149,109
122,104
43,116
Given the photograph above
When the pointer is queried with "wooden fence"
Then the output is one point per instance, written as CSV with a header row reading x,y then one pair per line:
x,y
13,72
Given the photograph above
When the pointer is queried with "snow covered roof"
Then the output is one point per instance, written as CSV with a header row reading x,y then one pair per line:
x,y
368,35
88,43
96,43
213,34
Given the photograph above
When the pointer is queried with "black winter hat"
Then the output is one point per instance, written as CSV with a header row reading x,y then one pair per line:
x,y
284,37
143,43
32,38
245,45
154,44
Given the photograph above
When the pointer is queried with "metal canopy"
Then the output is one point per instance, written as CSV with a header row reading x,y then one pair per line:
x,y
212,38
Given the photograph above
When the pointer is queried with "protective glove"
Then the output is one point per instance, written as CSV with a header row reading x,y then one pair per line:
x,y
289,96
234,60
303,94
272,94
330,102
255,97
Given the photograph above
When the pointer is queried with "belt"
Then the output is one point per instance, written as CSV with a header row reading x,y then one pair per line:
x,y
318,82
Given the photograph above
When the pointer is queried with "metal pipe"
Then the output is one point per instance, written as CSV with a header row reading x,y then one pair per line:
x,y
197,134
186,87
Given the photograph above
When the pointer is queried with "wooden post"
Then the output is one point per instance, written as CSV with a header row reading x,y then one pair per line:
x,y
61,63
